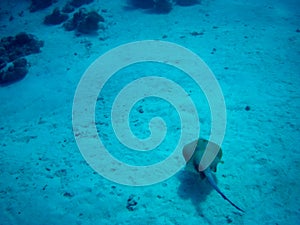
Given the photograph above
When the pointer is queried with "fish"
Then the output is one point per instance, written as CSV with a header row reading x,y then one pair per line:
x,y
193,153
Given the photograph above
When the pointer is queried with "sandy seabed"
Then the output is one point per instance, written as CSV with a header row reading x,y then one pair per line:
x,y
253,50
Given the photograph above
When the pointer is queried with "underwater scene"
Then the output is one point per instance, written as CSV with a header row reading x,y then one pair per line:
x,y
162,112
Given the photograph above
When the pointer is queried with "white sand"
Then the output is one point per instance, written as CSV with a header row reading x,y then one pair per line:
x,y
44,178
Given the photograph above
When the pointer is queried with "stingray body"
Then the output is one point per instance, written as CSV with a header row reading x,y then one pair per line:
x,y
193,154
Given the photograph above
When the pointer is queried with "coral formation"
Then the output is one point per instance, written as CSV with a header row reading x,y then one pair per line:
x,y
21,45
55,18
12,49
68,8
71,5
84,22
78,3
15,72
146,4
39,4
163,6
90,22
132,202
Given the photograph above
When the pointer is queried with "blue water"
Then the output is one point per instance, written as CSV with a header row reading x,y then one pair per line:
x,y
52,170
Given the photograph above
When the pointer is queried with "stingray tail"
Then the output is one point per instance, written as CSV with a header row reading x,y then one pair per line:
x,y
214,185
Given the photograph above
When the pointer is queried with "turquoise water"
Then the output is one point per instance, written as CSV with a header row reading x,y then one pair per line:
x,y
252,51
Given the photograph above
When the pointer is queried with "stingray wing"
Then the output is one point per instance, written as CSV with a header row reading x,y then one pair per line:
x,y
193,153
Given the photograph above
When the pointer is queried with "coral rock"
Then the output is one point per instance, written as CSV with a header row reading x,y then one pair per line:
x,y
15,72
84,22
39,4
21,45
90,23
55,18
78,3
163,6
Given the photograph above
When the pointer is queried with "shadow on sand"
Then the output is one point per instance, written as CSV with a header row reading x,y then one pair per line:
x,y
194,188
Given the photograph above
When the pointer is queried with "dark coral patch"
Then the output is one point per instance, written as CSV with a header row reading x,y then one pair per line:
x,y
39,4
19,46
78,3
15,72
84,22
13,66
55,18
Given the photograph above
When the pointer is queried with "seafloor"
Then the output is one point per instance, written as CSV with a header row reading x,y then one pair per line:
x,y
253,48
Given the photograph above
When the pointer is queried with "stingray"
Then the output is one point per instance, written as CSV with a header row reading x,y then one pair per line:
x,y
193,153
